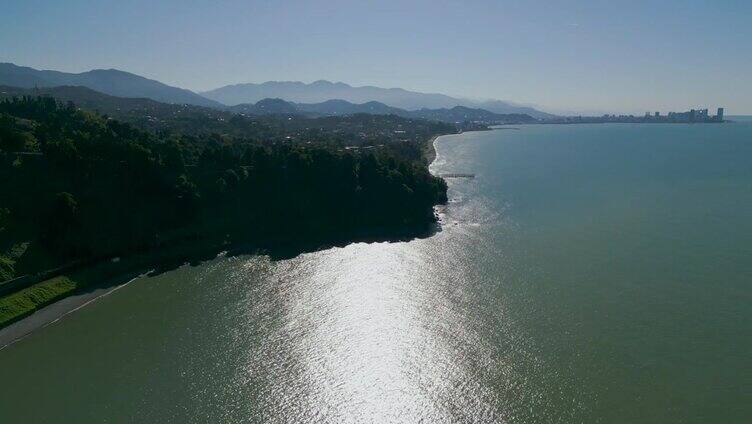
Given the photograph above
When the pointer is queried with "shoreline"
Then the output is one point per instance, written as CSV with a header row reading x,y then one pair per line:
x,y
59,309
152,263
429,151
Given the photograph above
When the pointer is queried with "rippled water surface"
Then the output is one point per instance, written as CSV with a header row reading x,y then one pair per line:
x,y
589,273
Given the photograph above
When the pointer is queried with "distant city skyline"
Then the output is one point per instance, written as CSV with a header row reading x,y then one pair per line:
x,y
573,57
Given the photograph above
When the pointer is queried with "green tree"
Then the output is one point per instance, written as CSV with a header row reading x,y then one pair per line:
x,y
62,223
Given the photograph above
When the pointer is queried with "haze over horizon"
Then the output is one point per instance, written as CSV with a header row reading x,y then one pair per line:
x,y
558,56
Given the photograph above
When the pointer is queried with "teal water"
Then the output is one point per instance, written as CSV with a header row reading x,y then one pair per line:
x,y
589,273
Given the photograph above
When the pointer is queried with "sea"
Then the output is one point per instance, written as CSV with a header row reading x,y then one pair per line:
x,y
593,273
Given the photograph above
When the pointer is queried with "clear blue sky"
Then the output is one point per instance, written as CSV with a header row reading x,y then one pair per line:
x,y
625,56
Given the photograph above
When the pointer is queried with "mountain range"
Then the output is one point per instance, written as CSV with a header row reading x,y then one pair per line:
x,y
367,99
337,107
107,81
142,109
321,91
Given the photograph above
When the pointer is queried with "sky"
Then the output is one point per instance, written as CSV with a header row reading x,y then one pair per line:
x,y
562,56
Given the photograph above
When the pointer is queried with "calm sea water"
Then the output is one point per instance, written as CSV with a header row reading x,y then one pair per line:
x,y
589,273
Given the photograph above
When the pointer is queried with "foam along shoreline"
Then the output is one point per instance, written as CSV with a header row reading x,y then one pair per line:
x,y
430,154
59,309
429,151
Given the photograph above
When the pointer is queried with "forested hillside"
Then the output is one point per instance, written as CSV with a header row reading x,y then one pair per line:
x,y
78,185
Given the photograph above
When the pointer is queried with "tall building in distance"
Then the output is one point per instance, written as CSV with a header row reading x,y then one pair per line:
x,y
693,116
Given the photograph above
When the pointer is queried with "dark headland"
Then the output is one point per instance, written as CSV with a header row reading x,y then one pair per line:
x,y
97,199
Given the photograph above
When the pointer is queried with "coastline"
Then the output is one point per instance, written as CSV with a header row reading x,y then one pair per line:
x,y
429,150
59,309
152,263
99,280
149,263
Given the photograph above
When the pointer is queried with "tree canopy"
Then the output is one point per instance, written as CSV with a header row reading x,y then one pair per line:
x,y
78,185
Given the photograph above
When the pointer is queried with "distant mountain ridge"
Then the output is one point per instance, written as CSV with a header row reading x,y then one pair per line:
x,y
338,107
141,110
333,98
321,91
343,107
144,113
107,81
